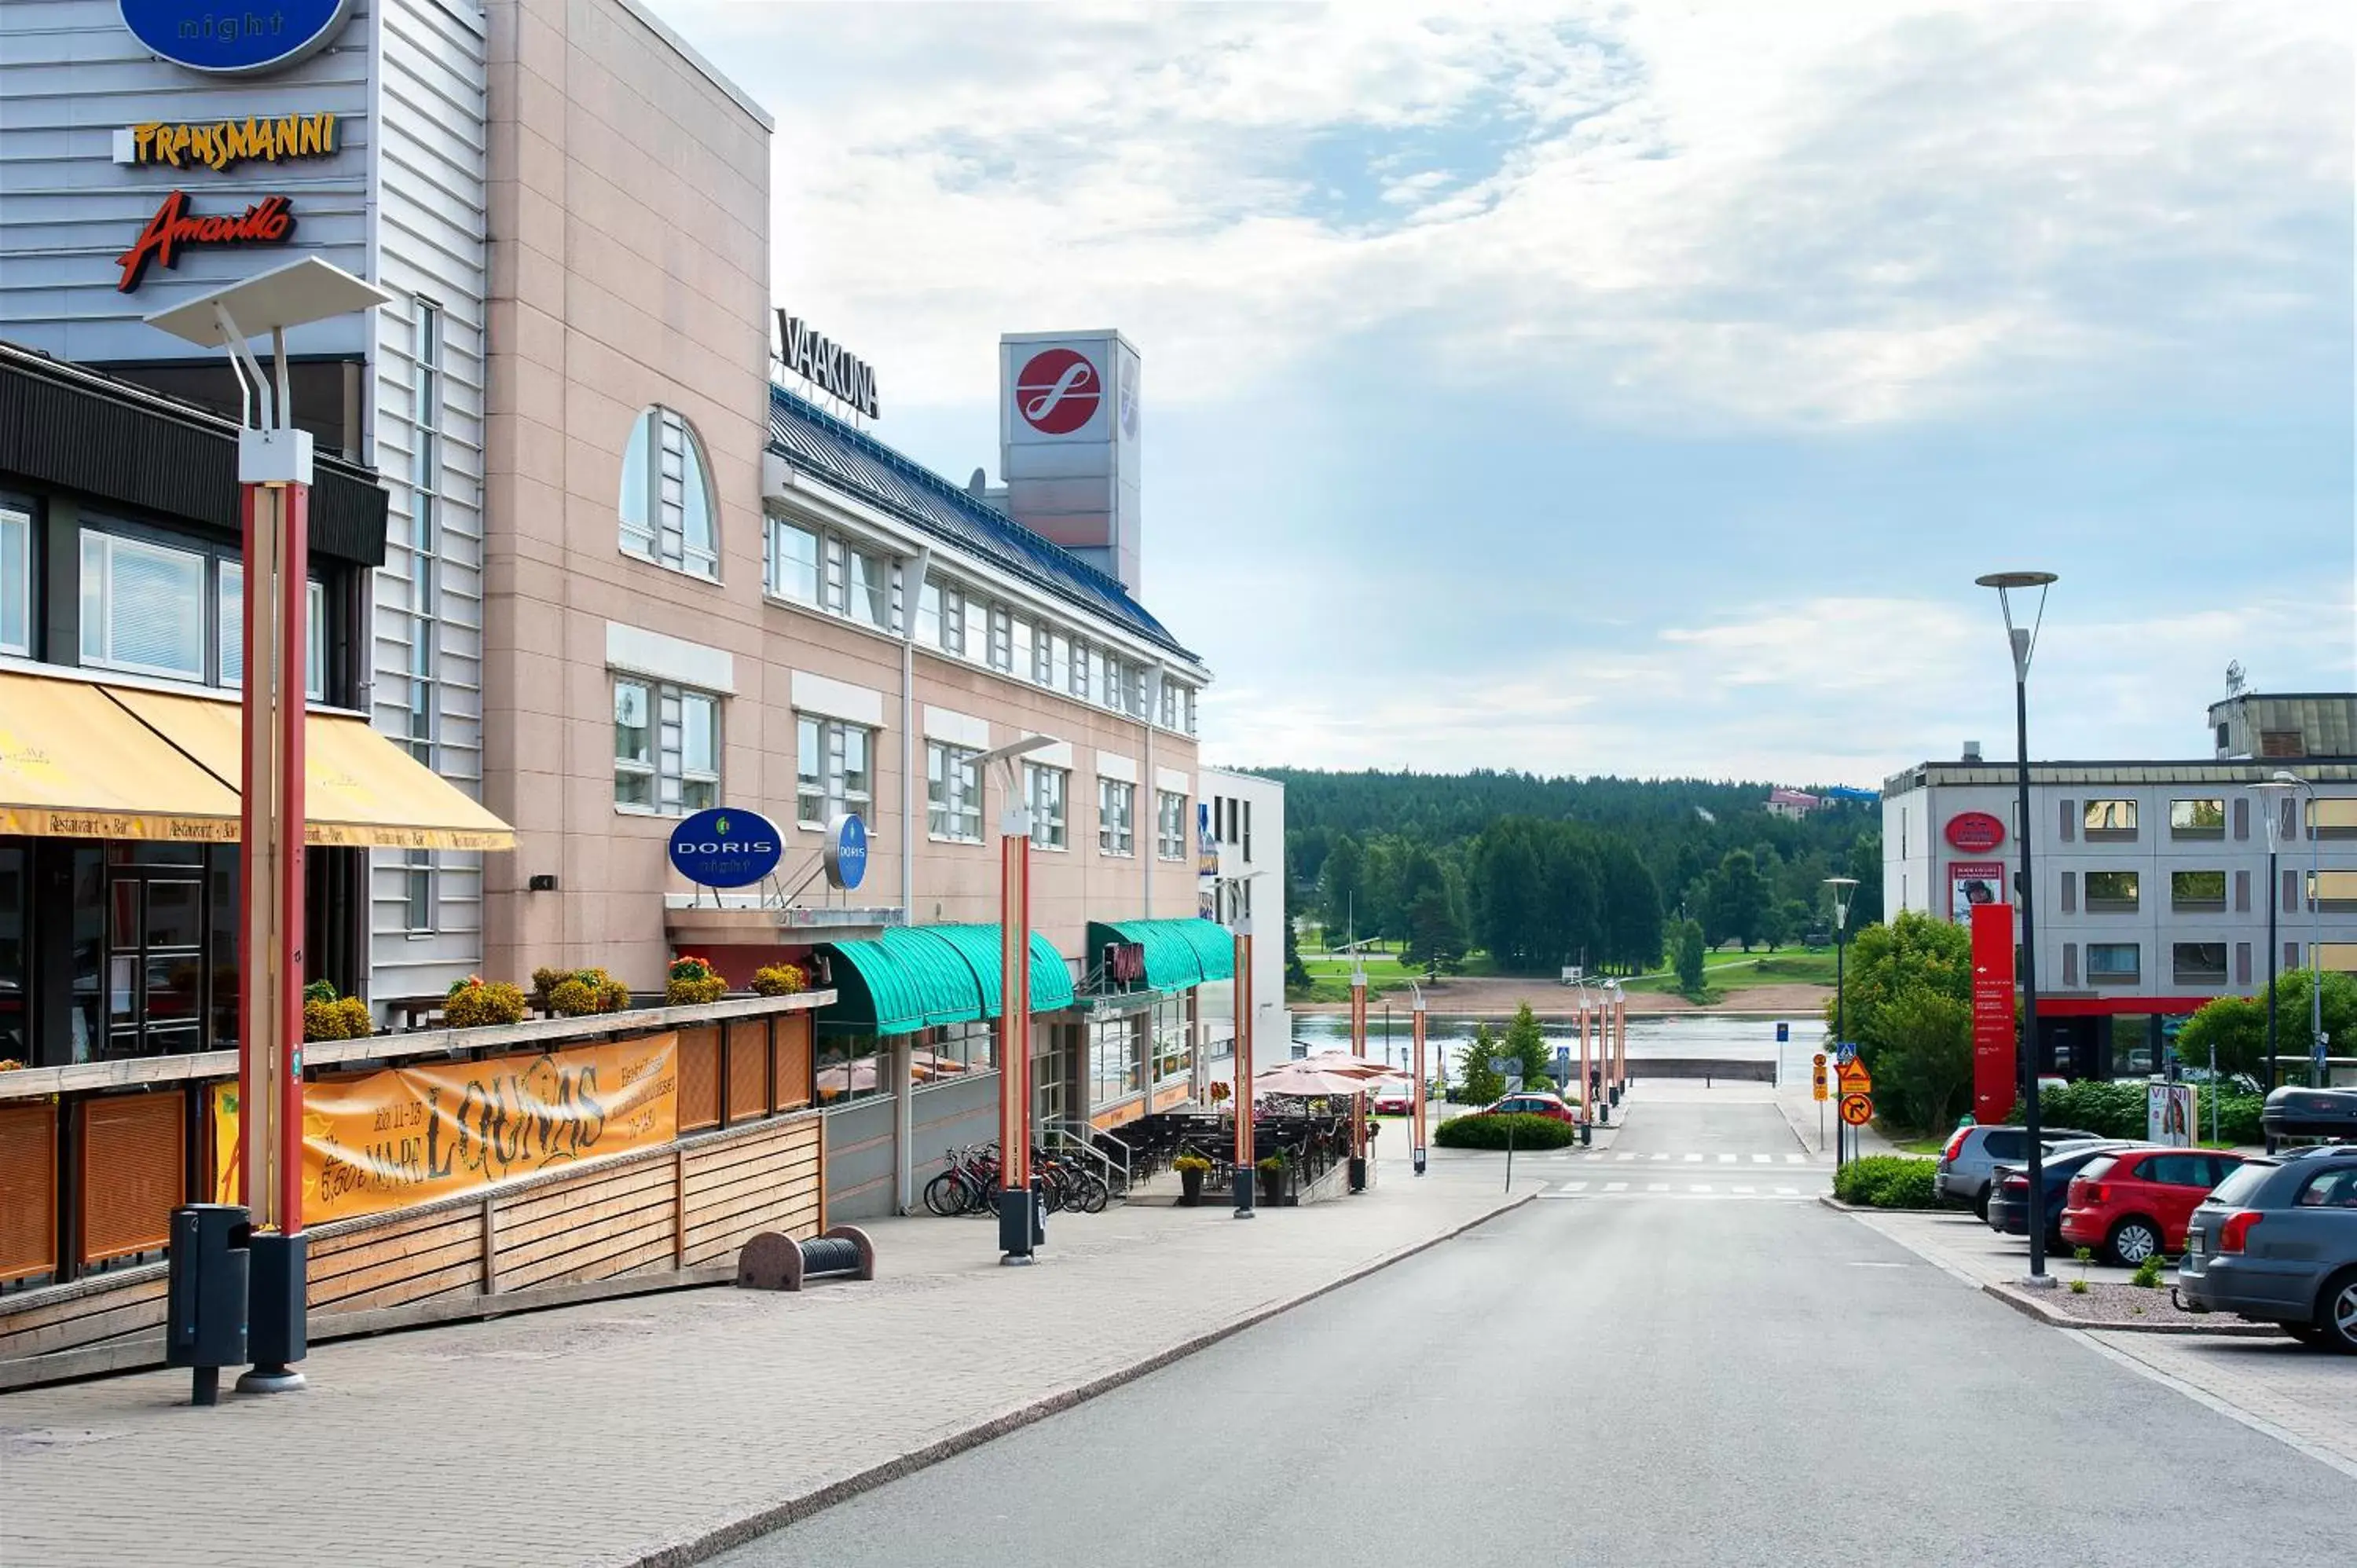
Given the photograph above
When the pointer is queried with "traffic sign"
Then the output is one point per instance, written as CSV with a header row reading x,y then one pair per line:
x,y
1857,1110
1817,1080
1845,1053
1784,1033
1854,1078
1820,1061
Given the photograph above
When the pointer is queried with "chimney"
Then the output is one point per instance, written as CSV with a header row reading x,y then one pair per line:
x,y
1971,751
1068,442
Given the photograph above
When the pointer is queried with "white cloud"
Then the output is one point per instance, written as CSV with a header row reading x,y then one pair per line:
x,y
1813,213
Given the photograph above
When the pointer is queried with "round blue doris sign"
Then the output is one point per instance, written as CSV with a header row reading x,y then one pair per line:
x,y
845,855
233,39
725,847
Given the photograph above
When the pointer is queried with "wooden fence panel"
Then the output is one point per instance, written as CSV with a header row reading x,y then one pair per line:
x,y
768,1181
29,1189
748,1070
699,1078
790,1033
133,1173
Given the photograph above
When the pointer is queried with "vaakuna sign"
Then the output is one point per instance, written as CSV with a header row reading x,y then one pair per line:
x,y
234,39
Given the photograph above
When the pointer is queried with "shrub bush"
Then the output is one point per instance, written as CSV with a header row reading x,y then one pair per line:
x,y
691,981
584,992
2117,1111
329,1017
780,979
1489,1132
1887,1181
474,1003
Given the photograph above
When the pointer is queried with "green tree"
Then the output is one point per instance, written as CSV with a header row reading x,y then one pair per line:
x,y
1297,973
1478,1080
1742,898
1509,880
1866,865
1631,913
1690,957
1342,888
1923,1064
1526,1045
2237,1028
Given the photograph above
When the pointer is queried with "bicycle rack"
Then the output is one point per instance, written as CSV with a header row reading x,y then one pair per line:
x,y
1067,1136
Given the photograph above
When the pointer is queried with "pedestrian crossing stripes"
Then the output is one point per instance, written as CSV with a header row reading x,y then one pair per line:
x,y
1707,1190
1710,1160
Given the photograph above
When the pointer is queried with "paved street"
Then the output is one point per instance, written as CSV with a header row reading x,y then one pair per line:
x,y
1641,1376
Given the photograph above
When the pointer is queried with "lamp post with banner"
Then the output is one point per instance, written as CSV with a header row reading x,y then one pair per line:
x,y
1843,888
274,474
1018,1197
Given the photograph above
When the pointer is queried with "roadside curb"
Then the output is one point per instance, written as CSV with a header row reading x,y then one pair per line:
x,y
713,1541
2031,1306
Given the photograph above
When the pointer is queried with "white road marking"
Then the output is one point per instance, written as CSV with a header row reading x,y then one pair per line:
x,y
1796,1159
1616,1187
1762,1159
1744,1189
1693,1159
1786,1192
1698,1186
1657,1187
1624,1156
1660,1157
1574,1186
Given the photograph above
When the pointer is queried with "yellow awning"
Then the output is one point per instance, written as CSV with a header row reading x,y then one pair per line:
x,y
75,764
360,789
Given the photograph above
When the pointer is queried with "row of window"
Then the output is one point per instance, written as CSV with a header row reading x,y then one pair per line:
x,y
151,609
828,571
2200,892
2198,817
667,760
2121,963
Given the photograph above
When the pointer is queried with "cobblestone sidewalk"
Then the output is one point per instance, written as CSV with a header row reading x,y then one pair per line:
x,y
659,1428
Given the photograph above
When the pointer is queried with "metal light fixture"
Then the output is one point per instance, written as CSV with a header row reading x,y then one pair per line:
x,y
2274,792
2023,642
1843,888
1018,1204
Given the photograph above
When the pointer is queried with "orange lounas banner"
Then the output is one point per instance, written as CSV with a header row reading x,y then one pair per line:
x,y
411,1135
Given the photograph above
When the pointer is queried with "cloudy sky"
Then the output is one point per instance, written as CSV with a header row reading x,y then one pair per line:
x,y
1635,388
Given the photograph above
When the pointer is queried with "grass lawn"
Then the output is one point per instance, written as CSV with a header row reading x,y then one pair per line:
x,y
1726,969
1919,1145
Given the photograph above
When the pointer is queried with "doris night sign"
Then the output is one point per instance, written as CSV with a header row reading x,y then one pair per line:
x,y
233,40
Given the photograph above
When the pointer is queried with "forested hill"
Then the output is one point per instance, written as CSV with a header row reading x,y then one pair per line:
x,y
1543,871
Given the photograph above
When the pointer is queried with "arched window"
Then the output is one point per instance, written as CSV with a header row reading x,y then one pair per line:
x,y
668,515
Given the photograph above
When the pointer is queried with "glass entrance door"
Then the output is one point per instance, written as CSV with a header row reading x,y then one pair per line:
x,y
155,959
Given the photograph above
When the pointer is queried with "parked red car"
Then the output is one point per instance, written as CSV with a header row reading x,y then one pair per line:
x,y
2133,1203
1395,1100
1533,1103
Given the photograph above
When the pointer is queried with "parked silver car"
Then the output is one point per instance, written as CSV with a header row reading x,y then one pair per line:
x,y
1961,1177
2277,1242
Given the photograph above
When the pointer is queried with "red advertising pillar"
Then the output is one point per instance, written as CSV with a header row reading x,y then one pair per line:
x,y
1242,1097
1994,1086
1017,1219
1587,1107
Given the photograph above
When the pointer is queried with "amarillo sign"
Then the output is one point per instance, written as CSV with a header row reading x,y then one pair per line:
x,y
267,222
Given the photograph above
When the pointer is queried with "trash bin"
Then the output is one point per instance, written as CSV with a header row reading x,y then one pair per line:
x,y
1587,1135
205,1291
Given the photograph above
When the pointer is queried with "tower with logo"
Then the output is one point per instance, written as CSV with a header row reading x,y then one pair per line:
x,y
1068,442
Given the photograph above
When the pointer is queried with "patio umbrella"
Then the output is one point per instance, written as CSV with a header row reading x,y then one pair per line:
x,y
1342,1061
1301,1078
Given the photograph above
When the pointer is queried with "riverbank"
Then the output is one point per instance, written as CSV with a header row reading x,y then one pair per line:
x,y
1492,996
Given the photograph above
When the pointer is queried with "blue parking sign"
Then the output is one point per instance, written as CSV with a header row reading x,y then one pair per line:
x,y
1783,1034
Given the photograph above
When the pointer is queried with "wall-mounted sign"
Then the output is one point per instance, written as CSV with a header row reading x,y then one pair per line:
x,y
1976,832
267,222
234,40
725,847
221,144
826,364
1972,883
1056,392
846,854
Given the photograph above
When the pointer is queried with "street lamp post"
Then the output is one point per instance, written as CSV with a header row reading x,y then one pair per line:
x,y
1416,1128
274,474
2023,641
1843,887
2273,794
1018,1204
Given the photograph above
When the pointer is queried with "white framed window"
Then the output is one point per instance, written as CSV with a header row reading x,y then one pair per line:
x,y
666,748
417,892
668,515
834,770
143,606
1170,826
1133,690
1024,651
928,612
953,793
1002,637
229,632
871,598
1084,665
1058,675
793,561
1044,789
1116,817
16,581
1190,710
1168,717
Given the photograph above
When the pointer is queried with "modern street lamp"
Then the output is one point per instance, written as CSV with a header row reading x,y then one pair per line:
x,y
2273,793
1843,888
1415,1127
1243,1154
1018,1204
273,476
2023,641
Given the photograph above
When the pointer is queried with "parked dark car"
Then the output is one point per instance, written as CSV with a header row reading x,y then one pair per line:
x,y
1962,1176
2277,1242
2309,1113
2008,1201
2134,1204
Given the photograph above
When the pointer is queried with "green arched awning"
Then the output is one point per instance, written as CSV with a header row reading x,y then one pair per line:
x,y
915,977
1178,953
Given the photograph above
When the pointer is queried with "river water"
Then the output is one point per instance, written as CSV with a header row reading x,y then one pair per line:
x,y
1675,1035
